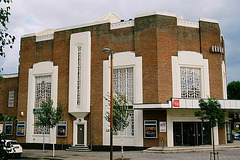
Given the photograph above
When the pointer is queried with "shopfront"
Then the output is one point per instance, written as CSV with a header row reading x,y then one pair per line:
x,y
191,133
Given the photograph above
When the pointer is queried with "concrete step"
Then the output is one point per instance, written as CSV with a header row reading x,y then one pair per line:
x,y
78,148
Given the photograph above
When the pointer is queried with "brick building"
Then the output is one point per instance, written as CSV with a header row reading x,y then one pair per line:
x,y
162,64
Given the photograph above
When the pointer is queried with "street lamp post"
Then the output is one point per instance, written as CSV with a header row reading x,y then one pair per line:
x,y
107,50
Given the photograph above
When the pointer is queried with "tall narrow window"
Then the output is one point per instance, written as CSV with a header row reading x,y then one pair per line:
x,y
123,83
42,94
79,76
190,82
11,99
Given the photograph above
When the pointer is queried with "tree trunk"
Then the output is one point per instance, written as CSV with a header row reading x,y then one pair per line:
x,y
122,142
213,143
43,140
122,138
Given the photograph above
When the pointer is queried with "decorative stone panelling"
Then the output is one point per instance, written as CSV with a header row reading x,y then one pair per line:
x,y
122,25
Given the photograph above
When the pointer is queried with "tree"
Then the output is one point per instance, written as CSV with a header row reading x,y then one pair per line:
x,y
233,90
3,135
211,111
48,117
120,114
5,38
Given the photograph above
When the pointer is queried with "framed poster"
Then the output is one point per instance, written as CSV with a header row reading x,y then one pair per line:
x,y
9,128
21,129
163,126
62,129
150,129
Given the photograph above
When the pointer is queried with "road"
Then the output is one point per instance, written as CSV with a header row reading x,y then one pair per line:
x,y
229,154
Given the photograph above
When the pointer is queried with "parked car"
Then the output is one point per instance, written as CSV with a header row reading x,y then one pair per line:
x,y
236,135
13,148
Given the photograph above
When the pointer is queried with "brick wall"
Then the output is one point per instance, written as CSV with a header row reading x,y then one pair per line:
x,y
159,115
6,85
155,38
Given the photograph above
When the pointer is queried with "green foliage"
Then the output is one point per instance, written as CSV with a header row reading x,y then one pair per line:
x,y
120,113
47,115
5,38
3,136
211,111
233,90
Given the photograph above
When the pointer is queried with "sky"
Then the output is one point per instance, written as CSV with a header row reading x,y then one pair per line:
x,y
33,16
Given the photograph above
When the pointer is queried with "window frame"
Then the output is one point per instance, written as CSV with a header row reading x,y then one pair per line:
x,y
200,83
11,97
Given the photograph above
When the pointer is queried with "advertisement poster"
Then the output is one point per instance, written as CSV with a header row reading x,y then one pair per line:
x,y
163,126
21,129
150,129
62,129
9,129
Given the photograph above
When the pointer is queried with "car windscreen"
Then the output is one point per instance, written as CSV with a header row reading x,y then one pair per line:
x,y
14,142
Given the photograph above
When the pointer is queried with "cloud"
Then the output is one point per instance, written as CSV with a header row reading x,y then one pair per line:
x,y
32,16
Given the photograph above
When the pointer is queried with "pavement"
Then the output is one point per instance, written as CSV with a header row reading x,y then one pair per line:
x,y
225,152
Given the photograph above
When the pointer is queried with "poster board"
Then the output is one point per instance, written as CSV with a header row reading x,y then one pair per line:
x,y
21,129
163,126
62,129
9,128
150,129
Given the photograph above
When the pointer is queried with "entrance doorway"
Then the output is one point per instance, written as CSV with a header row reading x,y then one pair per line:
x,y
80,134
191,133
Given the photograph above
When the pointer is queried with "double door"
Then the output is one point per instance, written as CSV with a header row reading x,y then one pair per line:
x,y
191,133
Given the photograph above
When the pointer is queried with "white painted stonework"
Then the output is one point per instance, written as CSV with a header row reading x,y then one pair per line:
x,y
40,69
224,79
192,60
187,24
122,25
124,60
83,40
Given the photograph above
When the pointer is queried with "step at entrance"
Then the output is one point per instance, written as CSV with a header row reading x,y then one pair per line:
x,y
78,148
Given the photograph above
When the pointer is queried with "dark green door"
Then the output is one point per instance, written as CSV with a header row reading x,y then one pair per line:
x,y
80,134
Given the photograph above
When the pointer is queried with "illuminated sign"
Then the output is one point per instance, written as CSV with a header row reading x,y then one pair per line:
x,y
176,103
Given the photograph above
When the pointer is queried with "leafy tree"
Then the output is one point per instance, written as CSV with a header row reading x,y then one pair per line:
x,y
233,90
48,117
120,114
5,38
211,111
3,135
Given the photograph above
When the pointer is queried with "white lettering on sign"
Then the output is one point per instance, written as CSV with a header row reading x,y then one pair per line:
x,y
217,49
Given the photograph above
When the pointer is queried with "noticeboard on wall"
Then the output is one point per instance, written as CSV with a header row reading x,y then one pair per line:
x,y
150,129
21,129
62,129
163,126
9,128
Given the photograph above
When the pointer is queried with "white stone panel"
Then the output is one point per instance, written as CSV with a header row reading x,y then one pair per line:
x,y
83,40
124,60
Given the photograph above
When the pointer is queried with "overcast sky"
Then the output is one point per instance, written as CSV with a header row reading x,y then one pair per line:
x,y
32,16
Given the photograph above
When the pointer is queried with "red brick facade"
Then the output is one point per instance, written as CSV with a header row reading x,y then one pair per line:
x,y
156,38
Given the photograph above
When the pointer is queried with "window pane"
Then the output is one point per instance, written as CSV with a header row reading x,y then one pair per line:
x,y
42,93
11,99
123,83
190,82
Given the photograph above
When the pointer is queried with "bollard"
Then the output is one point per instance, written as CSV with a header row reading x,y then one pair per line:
x,y
162,144
214,153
